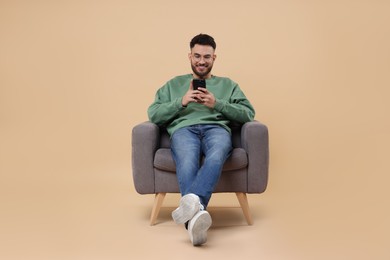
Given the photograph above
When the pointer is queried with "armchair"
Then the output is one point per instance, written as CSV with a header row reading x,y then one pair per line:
x,y
244,172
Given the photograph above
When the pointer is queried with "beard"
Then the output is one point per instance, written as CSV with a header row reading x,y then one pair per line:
x,y
201,74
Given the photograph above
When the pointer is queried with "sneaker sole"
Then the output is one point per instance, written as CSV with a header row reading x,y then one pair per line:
x,y
198,227
189,206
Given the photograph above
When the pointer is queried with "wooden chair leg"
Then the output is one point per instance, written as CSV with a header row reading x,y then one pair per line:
x,y
158,200
243,200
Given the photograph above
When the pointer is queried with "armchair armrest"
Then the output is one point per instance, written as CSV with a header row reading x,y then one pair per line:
x,y
254,139
145,141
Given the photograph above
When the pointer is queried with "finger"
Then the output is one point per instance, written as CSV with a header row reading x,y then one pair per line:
x,y
203,90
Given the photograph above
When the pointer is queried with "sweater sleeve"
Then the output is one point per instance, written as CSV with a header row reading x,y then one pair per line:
x,y
237,108
163,109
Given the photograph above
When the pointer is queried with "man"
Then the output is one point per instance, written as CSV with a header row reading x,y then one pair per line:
x,y
198,123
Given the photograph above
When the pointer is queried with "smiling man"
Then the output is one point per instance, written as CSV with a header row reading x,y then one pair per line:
x,y
202,58
198,121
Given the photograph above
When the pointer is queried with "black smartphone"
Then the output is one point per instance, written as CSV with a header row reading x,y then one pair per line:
x,y
198,83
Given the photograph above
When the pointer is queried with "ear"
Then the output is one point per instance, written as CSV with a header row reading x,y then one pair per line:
x,y
214,57
189,56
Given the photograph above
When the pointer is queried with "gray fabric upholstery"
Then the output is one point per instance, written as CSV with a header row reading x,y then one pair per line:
x,y
163,160
246,170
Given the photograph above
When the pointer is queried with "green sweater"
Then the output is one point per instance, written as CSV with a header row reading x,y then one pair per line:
x,y
231,105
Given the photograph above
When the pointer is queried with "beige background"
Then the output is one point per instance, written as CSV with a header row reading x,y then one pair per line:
x,y
76,76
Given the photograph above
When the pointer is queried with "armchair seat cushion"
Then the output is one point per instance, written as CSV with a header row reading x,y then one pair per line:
x,y
163,160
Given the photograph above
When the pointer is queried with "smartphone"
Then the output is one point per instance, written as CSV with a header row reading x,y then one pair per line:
x,y
198,83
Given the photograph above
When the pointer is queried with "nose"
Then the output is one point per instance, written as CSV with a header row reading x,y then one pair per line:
x,y
202,60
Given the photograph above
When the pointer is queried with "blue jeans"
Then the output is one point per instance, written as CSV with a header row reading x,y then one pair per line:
x,y
189,145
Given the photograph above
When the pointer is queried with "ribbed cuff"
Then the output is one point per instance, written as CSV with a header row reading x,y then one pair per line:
x,y
219,105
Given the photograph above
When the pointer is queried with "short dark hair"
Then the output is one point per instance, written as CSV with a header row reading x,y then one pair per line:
x,y
203,39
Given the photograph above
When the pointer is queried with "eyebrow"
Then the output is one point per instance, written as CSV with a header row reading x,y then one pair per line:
x,y
197,54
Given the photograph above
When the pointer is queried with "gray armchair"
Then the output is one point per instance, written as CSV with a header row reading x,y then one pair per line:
x,y
245,171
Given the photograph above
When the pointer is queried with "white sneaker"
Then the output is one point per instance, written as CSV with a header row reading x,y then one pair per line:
x,y
198,226
189,206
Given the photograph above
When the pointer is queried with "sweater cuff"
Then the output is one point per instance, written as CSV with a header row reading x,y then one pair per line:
x,y
219,105
178,104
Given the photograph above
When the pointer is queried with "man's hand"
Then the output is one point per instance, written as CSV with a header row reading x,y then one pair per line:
x,y
201,96
189,96
205,97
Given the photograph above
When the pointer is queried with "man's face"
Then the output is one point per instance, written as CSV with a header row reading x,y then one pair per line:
x,y
202,59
